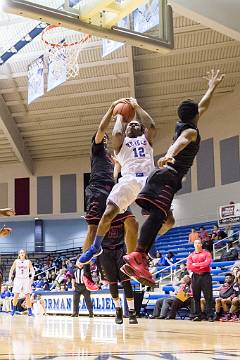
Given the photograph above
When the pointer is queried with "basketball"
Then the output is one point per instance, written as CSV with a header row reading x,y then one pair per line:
x,y
126,110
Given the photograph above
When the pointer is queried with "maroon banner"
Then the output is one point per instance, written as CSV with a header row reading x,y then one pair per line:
x,y
22,196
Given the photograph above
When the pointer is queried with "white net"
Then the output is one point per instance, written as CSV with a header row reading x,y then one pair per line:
x,y
64,48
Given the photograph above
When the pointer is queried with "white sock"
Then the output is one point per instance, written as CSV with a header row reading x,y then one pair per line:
x,y
130,303
117,303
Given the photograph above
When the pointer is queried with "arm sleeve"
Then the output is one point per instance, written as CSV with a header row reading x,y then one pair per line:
x,y
97,148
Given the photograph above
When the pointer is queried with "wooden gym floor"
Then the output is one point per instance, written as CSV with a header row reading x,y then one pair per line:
x,y
63,337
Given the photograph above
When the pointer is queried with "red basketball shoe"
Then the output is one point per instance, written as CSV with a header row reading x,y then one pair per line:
x,y
137,267
90,285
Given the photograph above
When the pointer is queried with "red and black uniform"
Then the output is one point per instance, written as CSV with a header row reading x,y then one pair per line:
x,y
161,186
111,260
100,184
199,264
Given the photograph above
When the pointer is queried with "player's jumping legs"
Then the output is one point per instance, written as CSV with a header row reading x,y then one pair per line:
x,y
137,265
103,227
87,277
113,288
131,233
127,287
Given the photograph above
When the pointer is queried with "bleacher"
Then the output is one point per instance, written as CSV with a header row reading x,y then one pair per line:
x,y
176,240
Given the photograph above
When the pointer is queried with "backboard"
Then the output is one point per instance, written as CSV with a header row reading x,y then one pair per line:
x,y
146,24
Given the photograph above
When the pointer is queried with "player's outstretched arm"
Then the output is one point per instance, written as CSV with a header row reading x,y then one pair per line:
x,y
214,78
145,119
118,134
103,126
186,137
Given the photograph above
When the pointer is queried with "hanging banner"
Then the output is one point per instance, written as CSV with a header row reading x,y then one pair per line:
x,y
57,68
229,214
35,79
145,17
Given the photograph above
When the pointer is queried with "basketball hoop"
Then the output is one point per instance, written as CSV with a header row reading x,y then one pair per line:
x,y
63,50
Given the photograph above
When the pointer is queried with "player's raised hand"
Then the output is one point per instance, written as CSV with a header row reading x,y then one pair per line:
x,y
214,78
123,100
165,160
133,102
7,212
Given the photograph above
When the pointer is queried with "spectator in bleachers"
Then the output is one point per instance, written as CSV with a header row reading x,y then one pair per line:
x,y
203,234
169,259
180,274
45,286
68,285
199,263
49,261
5,299
38,284
163,308
217,233
234,310
193,235
230,253
183,298
224,301
157,261
38,305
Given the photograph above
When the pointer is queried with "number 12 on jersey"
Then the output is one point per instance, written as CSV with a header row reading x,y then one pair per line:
x,y
139,152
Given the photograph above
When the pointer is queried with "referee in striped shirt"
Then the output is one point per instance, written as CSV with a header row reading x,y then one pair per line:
x,y
79,289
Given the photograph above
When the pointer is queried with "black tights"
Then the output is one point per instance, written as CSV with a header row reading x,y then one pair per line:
x,y
127,287
150,229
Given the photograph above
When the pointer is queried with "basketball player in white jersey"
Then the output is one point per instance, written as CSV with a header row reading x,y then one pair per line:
x,y
22,282
132,144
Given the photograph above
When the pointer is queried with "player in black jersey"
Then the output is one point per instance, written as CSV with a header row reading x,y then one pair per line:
x,y
157,195
111,260
100,184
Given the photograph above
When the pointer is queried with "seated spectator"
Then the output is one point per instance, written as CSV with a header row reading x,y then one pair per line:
x,y
183,298
157,261
45,286
234,310
193,235
38,305
160,311
59,279
49,261
203,234
5,299
229,232
224,301
230,253
68,285
62,287
236,268
169,259
180,274
38,284
217,233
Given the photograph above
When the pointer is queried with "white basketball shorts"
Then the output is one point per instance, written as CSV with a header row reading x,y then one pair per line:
x,y
125,192
22,286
